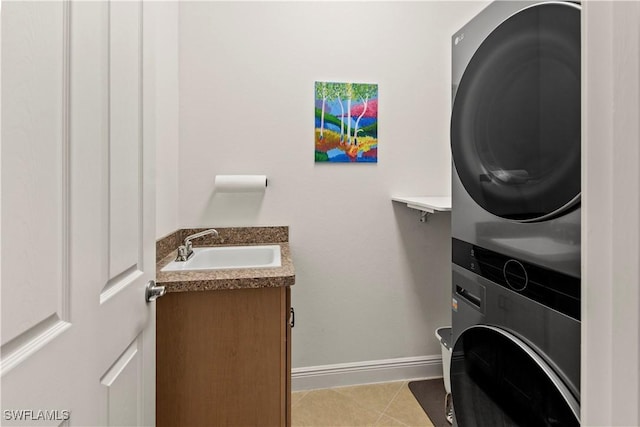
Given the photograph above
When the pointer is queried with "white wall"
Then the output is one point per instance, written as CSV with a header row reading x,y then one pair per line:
x,y
611,214
372,282
165,15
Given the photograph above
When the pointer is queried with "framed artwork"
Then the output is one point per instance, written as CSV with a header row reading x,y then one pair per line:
x,y
346,122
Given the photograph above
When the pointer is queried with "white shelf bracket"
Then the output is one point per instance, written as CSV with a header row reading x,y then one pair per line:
x,y
424,212
424,216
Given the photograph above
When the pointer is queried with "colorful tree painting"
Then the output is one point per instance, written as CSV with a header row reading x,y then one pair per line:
x,y
346,122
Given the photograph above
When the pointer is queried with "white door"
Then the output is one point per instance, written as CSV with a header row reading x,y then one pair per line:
x,y
78,338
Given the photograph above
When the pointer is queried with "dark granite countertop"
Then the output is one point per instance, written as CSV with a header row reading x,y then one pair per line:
x,y
207,280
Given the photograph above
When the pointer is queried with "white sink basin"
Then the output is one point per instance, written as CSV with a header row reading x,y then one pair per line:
x,y
228,257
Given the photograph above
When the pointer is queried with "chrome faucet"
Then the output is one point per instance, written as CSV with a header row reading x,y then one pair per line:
x,y
185,251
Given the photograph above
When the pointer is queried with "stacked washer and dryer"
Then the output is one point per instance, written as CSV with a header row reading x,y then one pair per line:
x,y
515,140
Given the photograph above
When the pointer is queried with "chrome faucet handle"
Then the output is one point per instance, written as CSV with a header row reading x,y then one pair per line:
x,y
188,239
185,251
182,253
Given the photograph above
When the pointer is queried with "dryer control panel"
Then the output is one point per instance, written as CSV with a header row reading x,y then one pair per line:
x,y
555,290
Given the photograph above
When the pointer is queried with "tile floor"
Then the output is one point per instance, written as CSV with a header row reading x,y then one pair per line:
x,y
384,404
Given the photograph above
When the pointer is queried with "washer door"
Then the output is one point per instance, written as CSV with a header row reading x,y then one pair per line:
x,y
515,126
497,380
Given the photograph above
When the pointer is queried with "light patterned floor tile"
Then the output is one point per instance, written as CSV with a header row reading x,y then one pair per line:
x,y
372,396
386,421
296,397
406,409
329,408
386,404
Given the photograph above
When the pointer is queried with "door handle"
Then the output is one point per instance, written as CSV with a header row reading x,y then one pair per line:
x,y
470,297
153,292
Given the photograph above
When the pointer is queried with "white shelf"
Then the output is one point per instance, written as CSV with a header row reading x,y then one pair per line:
x,y
429,204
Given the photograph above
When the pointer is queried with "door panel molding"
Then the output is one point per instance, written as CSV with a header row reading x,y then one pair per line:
x,y
29,342
120,282
125,161
124,375
65,300
28,339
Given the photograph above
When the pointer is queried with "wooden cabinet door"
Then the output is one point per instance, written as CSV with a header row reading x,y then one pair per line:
x,y
287,370
222,358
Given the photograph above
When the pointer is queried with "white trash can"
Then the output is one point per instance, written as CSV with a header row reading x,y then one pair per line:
x,y
444,336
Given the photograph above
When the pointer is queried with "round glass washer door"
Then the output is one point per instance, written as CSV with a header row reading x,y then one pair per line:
x,y
497,380
515,126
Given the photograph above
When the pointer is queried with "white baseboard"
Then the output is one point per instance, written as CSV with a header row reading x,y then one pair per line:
x,y
367,372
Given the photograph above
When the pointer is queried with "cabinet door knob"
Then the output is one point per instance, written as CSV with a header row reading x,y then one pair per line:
x,y
292,317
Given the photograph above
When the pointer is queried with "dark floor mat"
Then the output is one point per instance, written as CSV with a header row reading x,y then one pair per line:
x,y
430,394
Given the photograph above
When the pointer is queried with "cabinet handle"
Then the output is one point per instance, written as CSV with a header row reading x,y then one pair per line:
x,y
292,317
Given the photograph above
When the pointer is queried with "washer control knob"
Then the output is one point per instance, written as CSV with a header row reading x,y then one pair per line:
x,y
515,275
